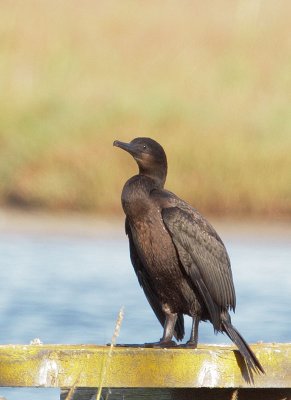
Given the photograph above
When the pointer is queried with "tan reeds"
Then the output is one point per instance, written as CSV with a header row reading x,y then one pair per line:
x,y
110,351
106,361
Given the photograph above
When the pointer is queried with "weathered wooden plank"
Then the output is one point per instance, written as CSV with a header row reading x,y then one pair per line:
x,y
180,394
128,367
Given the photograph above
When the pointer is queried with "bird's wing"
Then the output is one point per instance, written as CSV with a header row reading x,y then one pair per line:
x,y
144,281
202,254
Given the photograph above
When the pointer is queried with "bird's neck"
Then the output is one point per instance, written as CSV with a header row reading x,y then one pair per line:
x,y
158,176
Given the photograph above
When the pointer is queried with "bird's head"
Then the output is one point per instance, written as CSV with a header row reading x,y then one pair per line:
x,y
150,157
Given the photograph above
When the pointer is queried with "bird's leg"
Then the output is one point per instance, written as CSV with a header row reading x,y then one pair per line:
x,y
169,328
193,341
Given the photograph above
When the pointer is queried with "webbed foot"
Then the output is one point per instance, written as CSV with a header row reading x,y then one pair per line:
x,y
161,344
191,344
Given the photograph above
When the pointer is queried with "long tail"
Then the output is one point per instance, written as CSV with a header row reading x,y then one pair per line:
x,y
249,356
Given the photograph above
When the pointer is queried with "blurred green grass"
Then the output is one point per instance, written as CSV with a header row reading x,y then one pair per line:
x,y
210,80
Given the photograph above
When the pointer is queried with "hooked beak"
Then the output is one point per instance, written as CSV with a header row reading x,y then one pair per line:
x,y
124,146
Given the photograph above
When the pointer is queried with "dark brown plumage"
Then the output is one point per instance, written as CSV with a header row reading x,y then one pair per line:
x,y
179,259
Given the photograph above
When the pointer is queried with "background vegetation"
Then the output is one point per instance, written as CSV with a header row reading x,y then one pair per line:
x,y
210,80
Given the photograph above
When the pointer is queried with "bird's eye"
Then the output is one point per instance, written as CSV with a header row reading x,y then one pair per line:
x,y
144,147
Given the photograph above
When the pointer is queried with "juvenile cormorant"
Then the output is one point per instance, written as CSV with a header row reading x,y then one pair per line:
x,y
179,259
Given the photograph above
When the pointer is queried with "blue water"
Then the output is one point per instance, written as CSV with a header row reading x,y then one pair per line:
x,y
69,289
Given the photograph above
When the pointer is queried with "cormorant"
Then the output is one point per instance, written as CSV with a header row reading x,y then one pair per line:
x,y
179,259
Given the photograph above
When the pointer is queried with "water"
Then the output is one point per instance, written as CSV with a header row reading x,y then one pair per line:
x,y
69,288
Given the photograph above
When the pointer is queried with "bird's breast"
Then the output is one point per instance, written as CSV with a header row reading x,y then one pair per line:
x,y
154,244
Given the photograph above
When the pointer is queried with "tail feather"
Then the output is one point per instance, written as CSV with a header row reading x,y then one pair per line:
x,y
249,356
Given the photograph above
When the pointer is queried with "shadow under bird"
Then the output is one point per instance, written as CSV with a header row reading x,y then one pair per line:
x,y
179,259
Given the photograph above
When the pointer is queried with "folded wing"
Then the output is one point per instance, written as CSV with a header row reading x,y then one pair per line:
x,y
203,256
